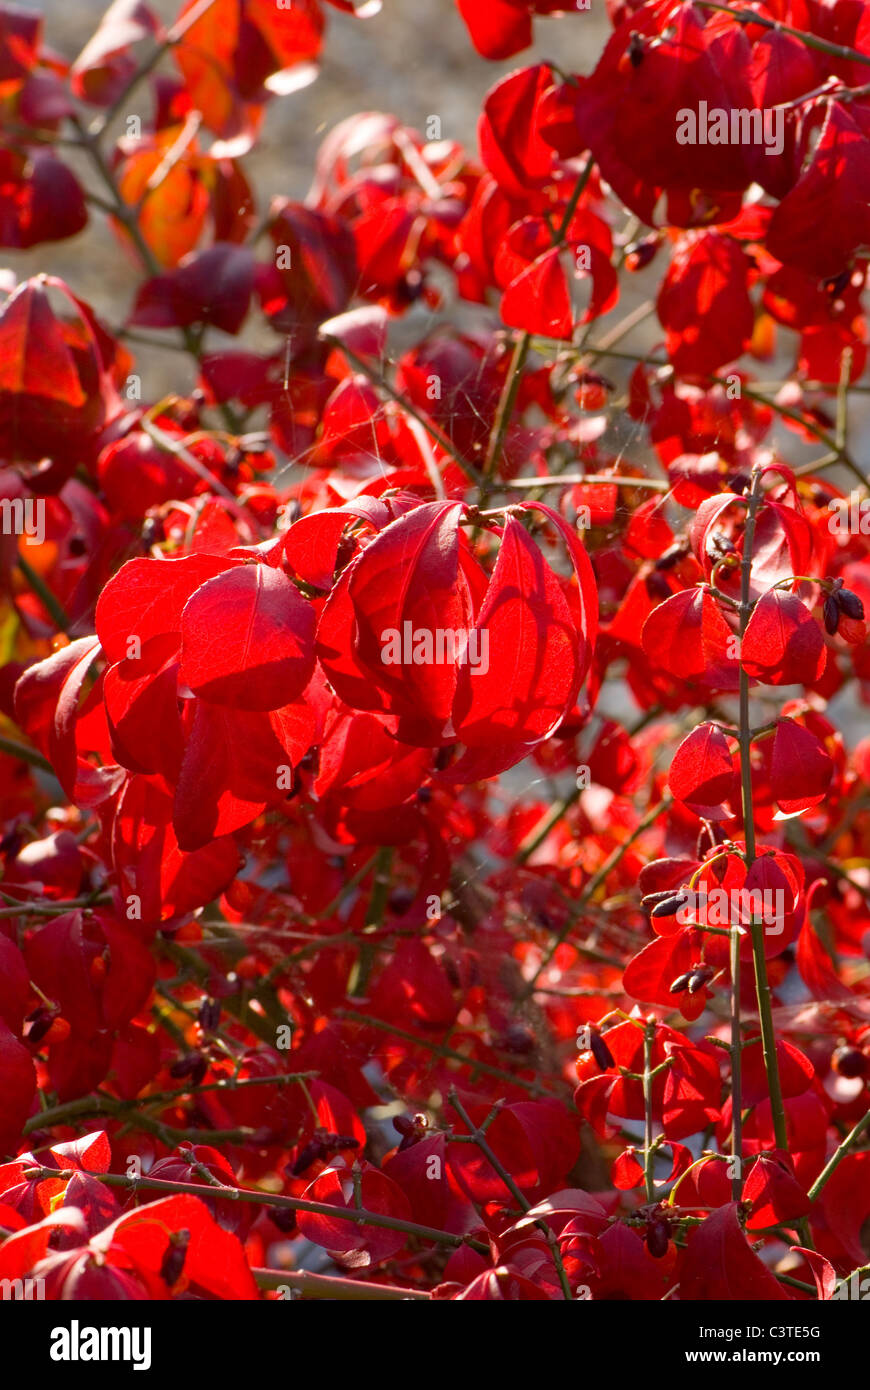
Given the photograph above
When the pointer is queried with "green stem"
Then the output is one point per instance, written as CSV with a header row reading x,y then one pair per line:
x,y
736,1050
648,1149
364,962
762,985
836,1158
478,1135
329,1286
834,50
504,413
38,585
448,1053
25,754
267,1199
594,883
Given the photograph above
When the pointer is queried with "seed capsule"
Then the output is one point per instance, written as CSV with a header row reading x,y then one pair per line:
x,y
673,555
192,1064
38,1024
312,1151
209,1015
850,1062
657,586
680,983
650,900
601,1052
657,1239
670,906
639,254
831,610
173,1261
698,978
850,604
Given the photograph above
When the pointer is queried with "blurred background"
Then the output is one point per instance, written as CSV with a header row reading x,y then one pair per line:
x,y
413,60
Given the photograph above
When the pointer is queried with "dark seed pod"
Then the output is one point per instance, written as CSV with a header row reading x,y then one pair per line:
x,y
173,1260
831,610
850,1062
335,1142
403,1123
153,531
11,843
37,1024
400,900
850,604
191,1064
718,545
284,1218
670,906
209,1015
650,900
657,586
657,1239
516,1039
601,1052
680,983
672,556
312,1151
699,978
639,254
635,49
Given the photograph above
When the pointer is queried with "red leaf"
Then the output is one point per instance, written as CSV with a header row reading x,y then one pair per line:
x,y
538,300
498,28
247,639
231,768
800,769
146,597
773,1191
211,286
14,985
704,304
510,145
533,674
719,1264
702,772
214,1260
783,643
846,1206
335,1187
821,220
46,705
687,636
17,1089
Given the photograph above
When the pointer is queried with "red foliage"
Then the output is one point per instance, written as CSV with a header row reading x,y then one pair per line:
x,y
357,804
